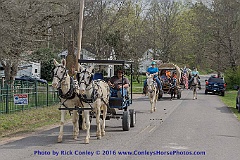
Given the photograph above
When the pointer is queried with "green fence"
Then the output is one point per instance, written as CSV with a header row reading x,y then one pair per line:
x,y
38,95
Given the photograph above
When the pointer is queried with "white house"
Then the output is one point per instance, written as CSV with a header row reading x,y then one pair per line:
x,y
84,54
147,58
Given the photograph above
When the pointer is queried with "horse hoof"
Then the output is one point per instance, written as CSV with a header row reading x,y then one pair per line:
x,y
86,141
103,133
59,140
99,137
75,137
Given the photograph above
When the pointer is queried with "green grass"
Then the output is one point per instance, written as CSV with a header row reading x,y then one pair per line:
x,y
29,120
230,100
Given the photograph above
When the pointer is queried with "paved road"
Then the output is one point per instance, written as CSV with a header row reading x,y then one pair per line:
x,y
178,127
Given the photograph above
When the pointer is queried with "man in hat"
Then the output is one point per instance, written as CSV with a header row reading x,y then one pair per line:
x,y
118,85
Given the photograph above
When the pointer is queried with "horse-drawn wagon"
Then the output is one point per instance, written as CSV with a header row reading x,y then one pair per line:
x,y
88,96
166,72
118,107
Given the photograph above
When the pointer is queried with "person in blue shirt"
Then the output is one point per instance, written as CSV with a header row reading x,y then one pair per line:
x,y
152,70
193,74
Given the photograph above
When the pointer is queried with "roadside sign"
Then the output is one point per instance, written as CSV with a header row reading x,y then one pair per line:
x,y
21,99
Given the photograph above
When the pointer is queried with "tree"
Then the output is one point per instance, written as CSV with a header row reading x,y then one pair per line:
x,y
162,18
24,26
45,56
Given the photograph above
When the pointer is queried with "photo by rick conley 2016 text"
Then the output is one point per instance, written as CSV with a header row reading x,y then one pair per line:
x,y
114,152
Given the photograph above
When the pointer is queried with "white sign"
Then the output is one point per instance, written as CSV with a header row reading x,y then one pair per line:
x,y
20,99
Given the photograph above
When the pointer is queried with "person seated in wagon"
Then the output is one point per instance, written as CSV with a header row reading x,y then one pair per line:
x,y
119,85
152,70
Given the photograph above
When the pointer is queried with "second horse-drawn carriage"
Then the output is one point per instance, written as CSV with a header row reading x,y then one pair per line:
x,y
168,71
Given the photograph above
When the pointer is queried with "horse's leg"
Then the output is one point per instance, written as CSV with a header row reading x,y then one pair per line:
x,y
60,136
194,90
98,121
152,104
104,119
75,124
84,127
196,93
155,99
86,117
171,92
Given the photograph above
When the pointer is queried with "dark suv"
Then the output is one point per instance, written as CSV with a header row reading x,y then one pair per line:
x,y
215,85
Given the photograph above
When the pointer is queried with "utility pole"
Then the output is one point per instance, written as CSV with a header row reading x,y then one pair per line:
x,y
81,11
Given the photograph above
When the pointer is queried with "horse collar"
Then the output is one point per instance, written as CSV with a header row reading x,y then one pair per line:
x,y
70,94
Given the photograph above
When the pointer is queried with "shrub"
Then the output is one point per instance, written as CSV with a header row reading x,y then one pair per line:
x,y
232,77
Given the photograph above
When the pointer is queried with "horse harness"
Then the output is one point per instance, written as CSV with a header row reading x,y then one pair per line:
x,y
71,92
94,95
153,86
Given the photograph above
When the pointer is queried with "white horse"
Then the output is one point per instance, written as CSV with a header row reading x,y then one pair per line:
x,y
152,91
68,94
95,93
195,86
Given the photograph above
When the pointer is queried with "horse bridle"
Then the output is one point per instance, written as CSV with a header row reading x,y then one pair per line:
x,y
65,73
82,78
152,85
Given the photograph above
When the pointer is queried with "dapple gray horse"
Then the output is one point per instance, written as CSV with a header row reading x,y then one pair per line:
x,y
69,98
94,93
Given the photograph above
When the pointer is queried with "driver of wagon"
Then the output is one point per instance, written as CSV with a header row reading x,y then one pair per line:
x,y
118,85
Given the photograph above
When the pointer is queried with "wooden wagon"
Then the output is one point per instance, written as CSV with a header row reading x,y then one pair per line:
x,y
170,68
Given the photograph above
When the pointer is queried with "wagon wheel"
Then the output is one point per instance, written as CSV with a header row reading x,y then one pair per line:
x,y
132,117
126,121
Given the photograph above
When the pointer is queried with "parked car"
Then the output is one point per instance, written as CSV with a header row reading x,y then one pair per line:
x,y
31,79
215,85
238,99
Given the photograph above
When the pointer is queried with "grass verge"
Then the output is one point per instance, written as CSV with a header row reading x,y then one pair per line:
x,y
29,120
230,100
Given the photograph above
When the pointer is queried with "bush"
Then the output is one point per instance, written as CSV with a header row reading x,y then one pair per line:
x,y
232,77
